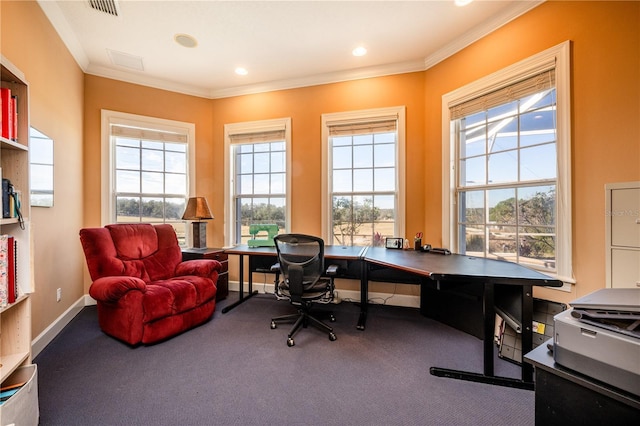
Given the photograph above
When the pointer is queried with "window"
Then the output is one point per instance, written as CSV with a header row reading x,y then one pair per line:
x,y
508,144
363,184
149,171
257,155
41,164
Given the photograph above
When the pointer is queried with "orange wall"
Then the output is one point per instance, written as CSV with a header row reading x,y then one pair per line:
x,y
55,101
605,76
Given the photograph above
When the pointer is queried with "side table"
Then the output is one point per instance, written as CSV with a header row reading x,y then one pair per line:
x,y
215,254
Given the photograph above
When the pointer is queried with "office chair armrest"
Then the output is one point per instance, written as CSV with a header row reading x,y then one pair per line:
x,y
332,270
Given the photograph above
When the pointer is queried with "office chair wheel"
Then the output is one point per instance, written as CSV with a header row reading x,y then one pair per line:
x,y
273,325
332,337
290,342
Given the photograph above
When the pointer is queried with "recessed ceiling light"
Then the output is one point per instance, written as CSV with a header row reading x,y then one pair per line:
x,y
241,71
462,2
185,40
359,51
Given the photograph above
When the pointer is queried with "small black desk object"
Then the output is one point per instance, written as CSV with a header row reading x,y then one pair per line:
x,y
565,397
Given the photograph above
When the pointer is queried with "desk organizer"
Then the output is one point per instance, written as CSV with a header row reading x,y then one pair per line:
x,y
510,340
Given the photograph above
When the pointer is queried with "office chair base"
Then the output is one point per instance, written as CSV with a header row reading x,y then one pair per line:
x,y
303,319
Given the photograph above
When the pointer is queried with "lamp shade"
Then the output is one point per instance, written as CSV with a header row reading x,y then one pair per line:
x,y
197,209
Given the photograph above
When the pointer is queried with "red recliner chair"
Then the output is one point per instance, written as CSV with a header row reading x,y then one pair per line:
x,y
145,292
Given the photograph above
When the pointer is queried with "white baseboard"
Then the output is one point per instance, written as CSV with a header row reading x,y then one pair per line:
x,y
44,338
404,300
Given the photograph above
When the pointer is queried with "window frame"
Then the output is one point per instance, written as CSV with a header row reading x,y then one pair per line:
x,y
249,127
368,115
557,57
109,118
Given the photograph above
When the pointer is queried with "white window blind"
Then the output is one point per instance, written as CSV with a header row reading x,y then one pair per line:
x,y
360,127
256,132
518,90
147,134
257,137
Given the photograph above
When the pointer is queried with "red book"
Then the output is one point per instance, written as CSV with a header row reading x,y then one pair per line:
x,y
11,270
14,104
7,113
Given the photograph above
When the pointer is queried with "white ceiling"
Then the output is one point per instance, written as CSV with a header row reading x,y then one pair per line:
x,y
283,44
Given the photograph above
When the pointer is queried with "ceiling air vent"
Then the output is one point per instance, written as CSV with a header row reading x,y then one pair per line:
x,y
107,6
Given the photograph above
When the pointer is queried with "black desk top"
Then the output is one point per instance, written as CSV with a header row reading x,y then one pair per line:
x,y
434,266
456,266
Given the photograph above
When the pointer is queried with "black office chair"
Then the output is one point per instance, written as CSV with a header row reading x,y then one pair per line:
x,y
301,267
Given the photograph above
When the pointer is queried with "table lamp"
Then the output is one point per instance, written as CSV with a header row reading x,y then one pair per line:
x,y
197,210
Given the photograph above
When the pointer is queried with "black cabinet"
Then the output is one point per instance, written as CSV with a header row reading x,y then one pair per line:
x,y
215,254
565,397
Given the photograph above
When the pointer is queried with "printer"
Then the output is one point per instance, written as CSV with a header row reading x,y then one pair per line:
x,y
599,337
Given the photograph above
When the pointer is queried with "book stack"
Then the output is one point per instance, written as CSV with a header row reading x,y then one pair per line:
x,y
10,202
8,115
8,282
8,391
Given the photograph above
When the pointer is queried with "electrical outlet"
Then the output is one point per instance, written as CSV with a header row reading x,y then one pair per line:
x,y
58,294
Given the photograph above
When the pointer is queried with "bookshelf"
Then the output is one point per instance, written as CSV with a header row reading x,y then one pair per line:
x,y
15,318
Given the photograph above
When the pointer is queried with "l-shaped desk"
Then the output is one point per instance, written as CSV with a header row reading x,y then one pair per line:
x,y
415,267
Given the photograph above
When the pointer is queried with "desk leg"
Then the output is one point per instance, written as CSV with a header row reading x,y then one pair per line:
x,y
364,295
489,315
527,331
489,318
241,296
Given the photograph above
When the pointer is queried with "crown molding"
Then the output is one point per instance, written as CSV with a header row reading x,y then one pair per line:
x,y
315,80
143,80
270,86
59,22
470,37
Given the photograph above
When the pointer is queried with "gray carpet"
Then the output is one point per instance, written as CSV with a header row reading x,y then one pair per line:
x,y
235,370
